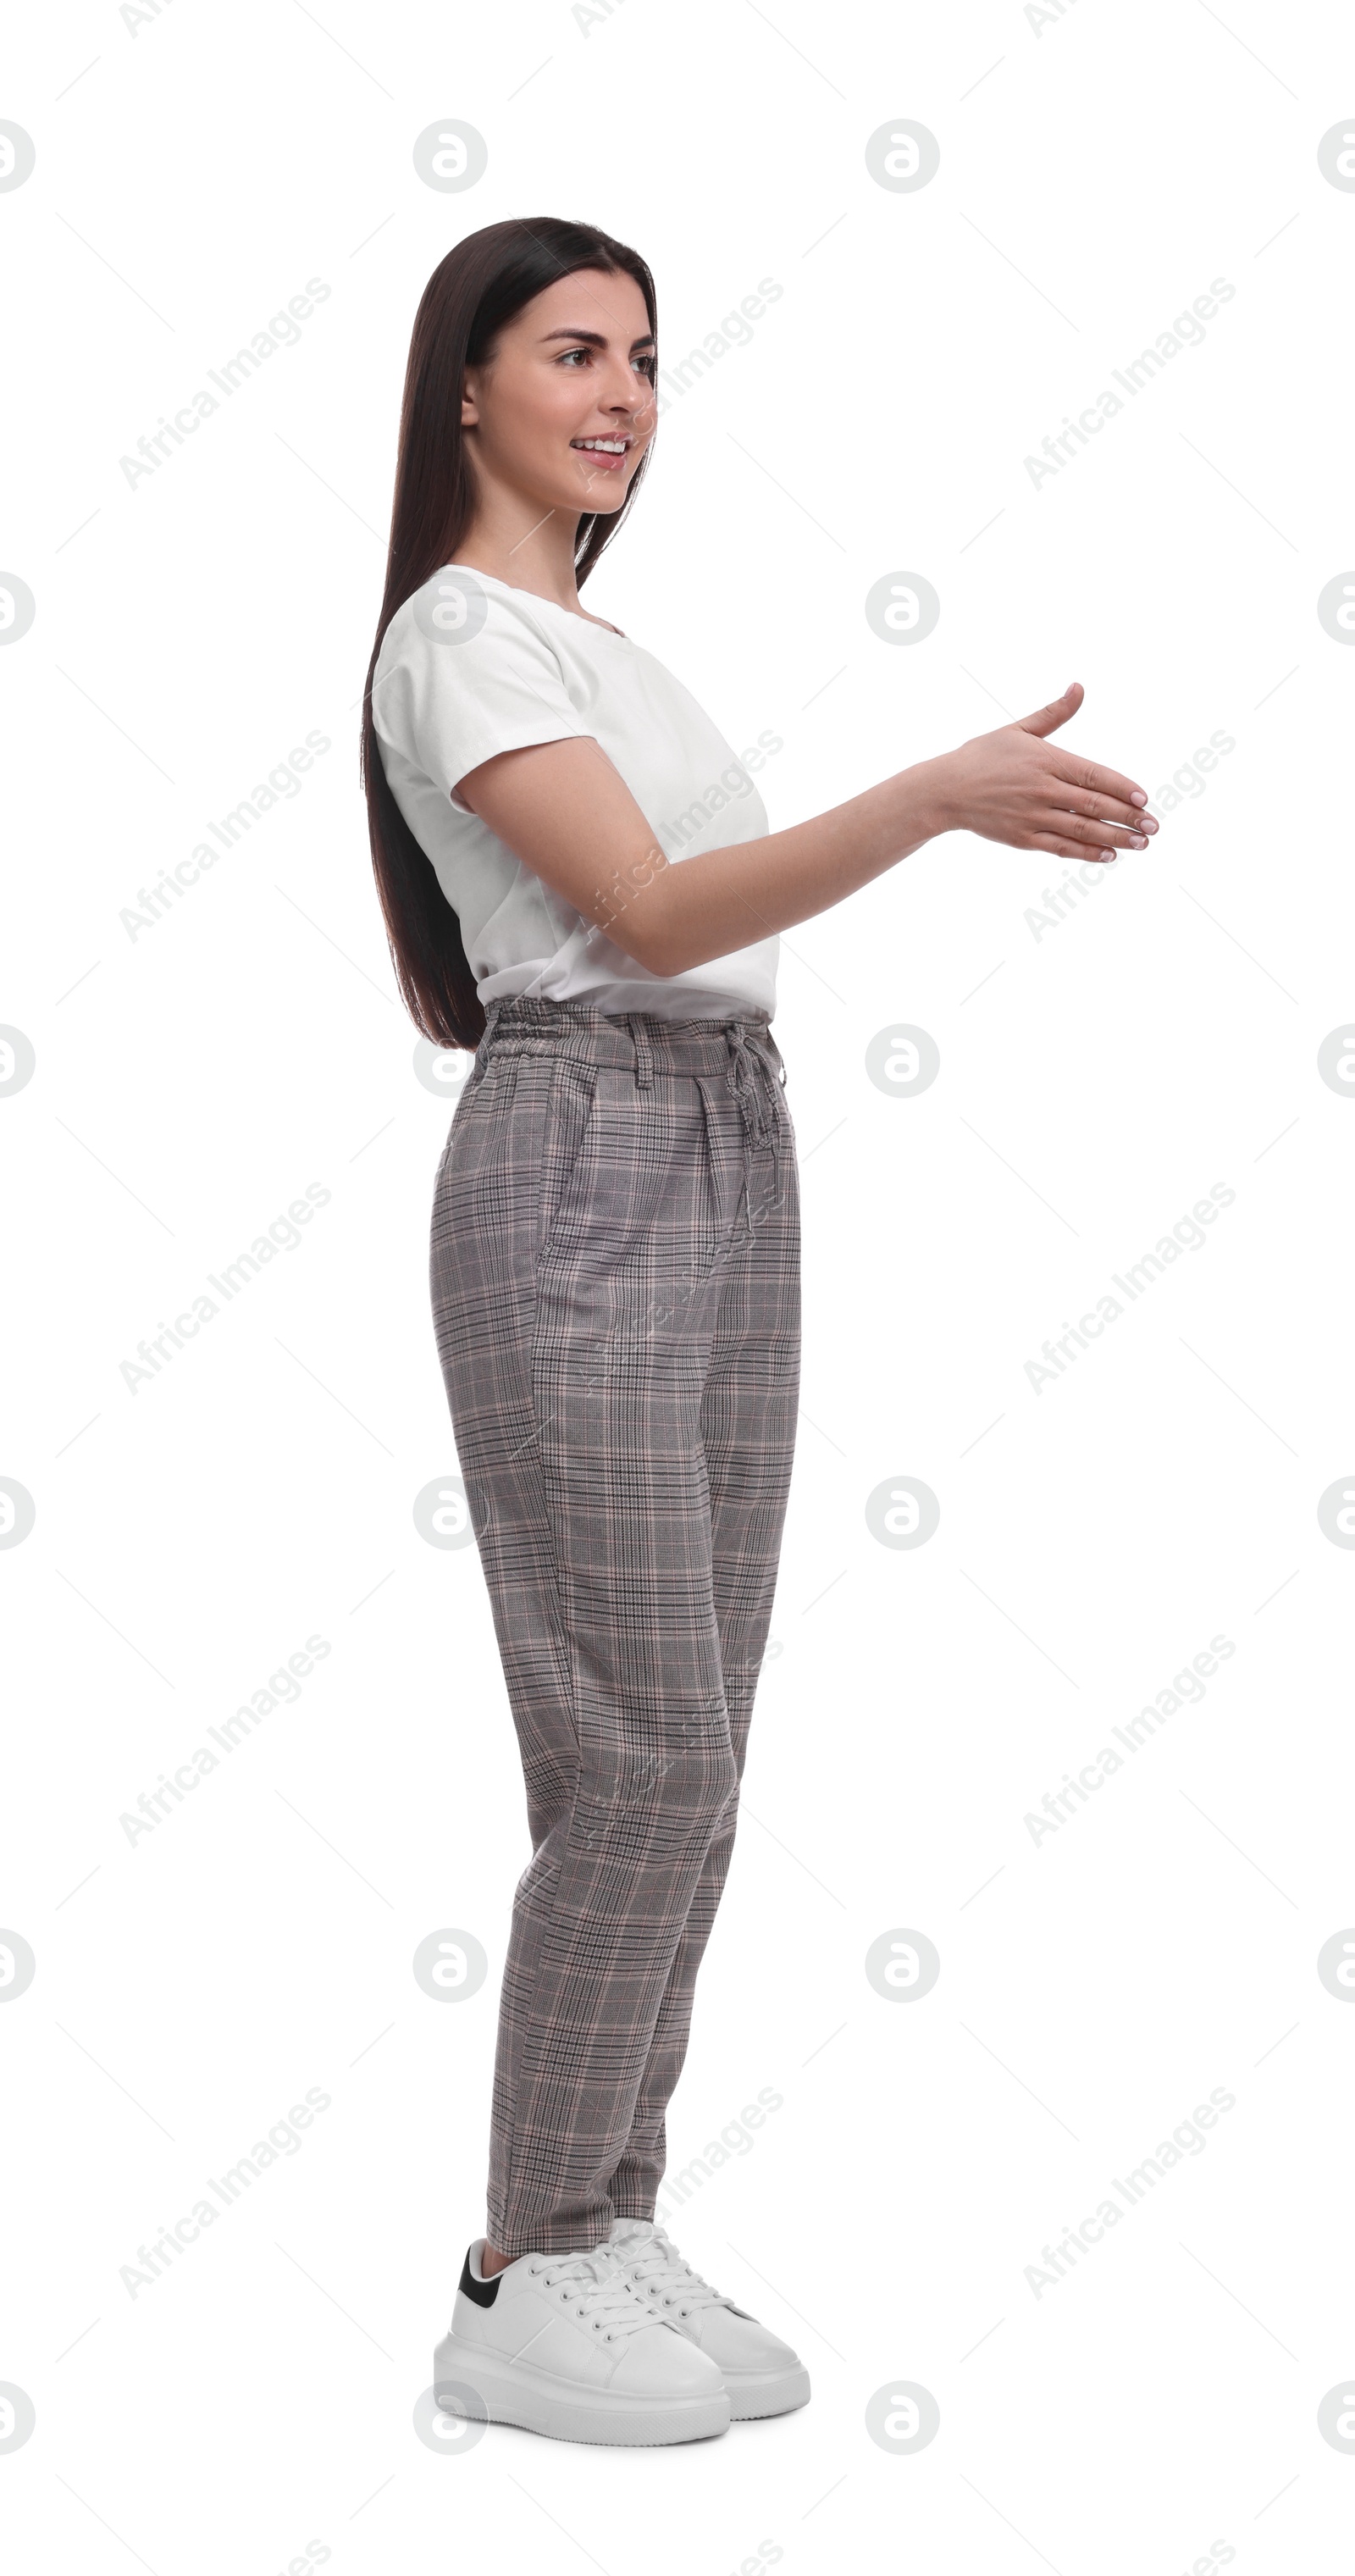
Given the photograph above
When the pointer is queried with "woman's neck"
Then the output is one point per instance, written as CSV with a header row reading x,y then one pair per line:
x,y
541,560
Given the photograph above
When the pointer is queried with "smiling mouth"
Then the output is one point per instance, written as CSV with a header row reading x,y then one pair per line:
x,y
609,451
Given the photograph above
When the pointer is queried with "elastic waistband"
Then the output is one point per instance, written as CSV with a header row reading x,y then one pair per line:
x,y
645,1040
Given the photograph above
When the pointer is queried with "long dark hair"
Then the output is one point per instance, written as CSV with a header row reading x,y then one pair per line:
x,y
471,295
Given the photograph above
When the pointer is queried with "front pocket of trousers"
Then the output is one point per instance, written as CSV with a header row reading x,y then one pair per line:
x,y
566,1163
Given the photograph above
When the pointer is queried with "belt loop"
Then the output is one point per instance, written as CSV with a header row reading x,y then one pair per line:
x,y
644,1051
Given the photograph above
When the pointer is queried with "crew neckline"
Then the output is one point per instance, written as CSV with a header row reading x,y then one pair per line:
x,y
576,615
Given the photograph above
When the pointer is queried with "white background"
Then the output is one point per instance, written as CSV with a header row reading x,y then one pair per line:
x,y
1097,171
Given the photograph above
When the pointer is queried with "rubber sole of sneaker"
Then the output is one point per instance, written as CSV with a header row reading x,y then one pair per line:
x,y
534,2401
774,2393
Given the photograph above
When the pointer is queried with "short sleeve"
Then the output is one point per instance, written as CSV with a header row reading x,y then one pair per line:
x,y
464,673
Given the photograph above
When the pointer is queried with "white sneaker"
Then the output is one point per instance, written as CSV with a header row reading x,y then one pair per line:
x,y
560,2344
763,2376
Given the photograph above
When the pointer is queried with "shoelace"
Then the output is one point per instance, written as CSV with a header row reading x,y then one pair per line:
x,y
653,2260
596,2286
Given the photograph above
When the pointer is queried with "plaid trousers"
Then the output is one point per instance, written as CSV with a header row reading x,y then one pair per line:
x,y
616,1291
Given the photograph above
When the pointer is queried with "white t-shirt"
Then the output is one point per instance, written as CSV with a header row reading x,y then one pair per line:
x,y
470,666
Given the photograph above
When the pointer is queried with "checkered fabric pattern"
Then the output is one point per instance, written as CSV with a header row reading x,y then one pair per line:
x,y
616,1291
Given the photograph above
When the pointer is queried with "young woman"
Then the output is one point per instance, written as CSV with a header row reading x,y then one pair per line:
x,y
579,882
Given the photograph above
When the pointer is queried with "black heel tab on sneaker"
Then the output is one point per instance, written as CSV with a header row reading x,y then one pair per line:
x,y
483,2293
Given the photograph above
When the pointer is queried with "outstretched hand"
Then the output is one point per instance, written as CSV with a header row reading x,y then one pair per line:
x,y
1013,785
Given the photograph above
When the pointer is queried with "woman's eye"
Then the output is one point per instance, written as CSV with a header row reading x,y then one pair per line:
x,y
647,366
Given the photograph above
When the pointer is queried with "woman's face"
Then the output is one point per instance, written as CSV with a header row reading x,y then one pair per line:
x,y
574,366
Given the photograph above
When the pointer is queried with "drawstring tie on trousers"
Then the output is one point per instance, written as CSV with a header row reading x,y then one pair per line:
x,y
751,1071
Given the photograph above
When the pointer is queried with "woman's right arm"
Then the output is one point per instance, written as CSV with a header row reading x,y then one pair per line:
x,y
566,812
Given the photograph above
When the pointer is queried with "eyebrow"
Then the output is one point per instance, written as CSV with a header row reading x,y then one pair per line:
x,y
597,339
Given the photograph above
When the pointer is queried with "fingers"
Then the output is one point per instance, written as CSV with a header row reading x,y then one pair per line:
x,y
1048,719
1074,850
1096,781
1109,809
1096,831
